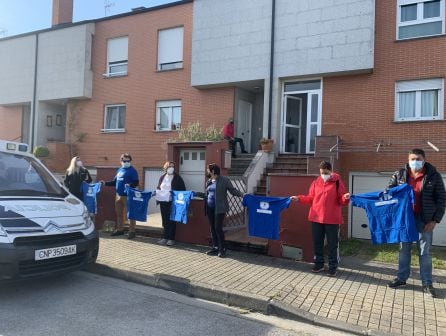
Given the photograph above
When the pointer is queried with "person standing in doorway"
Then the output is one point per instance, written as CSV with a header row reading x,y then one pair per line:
x,y
169,181
429,209
217,206
126,175
228,134
75,175
326,196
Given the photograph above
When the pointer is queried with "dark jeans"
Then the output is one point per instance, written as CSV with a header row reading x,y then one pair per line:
x,y
169,226
216,224
331,231
233,145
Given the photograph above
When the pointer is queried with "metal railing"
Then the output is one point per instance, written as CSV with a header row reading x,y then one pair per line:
x,y
235,217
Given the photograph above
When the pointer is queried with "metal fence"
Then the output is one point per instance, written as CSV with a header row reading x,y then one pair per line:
x,y
235,218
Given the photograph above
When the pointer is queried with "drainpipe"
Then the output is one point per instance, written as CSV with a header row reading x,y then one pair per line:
x,y
33,111
271,67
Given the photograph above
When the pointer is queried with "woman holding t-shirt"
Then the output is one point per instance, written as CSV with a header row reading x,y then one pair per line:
x,y
326,196
168,181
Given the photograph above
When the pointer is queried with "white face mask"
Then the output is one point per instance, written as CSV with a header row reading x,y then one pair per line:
x,y
325,177
126,164
170,170
79,163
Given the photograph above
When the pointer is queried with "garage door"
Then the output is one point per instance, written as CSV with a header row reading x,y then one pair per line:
x,y
368,182
193,168
151,178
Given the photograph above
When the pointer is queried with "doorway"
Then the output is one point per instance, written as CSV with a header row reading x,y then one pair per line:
x,y
301,117
244,119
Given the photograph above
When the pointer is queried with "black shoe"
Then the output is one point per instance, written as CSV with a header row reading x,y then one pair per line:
x,y
332,273
212,251
397,283
429,289
117,233
221,254
317,268
244,152
131,235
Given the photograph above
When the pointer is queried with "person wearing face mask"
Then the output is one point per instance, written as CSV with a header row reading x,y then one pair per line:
x,y
126,175
228,134
429,209
217,206
326,197
169,181
75,175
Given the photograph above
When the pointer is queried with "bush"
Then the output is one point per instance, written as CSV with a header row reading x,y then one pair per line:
x,y
41,151
194,132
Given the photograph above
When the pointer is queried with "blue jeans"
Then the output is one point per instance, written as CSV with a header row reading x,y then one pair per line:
x,y
424,245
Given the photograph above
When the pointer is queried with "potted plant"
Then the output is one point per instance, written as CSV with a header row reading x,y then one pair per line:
x,y
266,144
41,151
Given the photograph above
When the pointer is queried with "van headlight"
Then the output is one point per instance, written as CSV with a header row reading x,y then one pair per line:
x,y
87,219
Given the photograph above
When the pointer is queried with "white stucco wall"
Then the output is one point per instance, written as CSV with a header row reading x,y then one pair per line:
x,y
231,38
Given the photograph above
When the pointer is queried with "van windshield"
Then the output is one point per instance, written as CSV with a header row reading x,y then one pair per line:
x,y
24,176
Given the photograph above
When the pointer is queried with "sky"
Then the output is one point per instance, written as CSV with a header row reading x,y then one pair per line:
x,y
23,16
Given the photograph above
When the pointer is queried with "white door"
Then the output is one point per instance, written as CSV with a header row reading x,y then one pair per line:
x,y
193,168
244,118
290,141
363,183
314,112
151,178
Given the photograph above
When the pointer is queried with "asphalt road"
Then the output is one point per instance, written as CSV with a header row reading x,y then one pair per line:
x,y
86,304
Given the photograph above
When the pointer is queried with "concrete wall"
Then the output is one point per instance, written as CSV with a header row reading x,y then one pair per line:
x,y
231,38
64,63
17,77
46,132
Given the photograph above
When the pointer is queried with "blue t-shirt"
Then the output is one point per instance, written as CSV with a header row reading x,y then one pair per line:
x,y
137,204
390,214
125,176
264,215
211,194
180,205
89,194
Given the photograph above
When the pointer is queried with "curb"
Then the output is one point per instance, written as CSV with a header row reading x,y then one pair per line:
x,y
258,303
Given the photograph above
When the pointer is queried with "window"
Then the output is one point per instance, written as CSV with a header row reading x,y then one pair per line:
x,y
170,48
117,56
419,100
418,18
114,118
168,115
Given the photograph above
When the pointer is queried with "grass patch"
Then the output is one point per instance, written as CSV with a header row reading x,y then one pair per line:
x,y
387,253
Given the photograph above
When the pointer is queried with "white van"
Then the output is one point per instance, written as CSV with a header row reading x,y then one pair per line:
x,y
43,228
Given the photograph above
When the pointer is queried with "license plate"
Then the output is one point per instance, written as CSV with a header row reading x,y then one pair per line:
x,y
55,252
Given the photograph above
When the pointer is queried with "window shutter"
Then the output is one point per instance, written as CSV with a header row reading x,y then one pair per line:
x,y
170,45
117,49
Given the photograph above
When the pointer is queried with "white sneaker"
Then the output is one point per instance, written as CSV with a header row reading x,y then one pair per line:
x,y
162,241
170,242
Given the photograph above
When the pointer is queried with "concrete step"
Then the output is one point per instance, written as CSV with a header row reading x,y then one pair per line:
x,y
295,165
286,171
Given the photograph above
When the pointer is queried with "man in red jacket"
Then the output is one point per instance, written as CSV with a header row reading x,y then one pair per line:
x,y
228,134
326,196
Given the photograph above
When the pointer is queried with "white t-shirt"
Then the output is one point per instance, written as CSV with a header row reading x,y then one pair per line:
x,y
164,195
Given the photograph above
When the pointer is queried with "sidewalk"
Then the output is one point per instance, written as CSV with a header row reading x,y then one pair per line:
x,y
357,300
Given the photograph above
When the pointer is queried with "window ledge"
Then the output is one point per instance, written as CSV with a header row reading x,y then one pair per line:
x,y
169,70
417,120
118,130
164,131
108,76
420,38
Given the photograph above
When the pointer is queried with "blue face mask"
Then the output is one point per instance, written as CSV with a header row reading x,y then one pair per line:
x,y
416,165
126,164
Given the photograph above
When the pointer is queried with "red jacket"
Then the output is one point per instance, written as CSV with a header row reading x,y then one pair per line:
x,y
326,199
228,130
